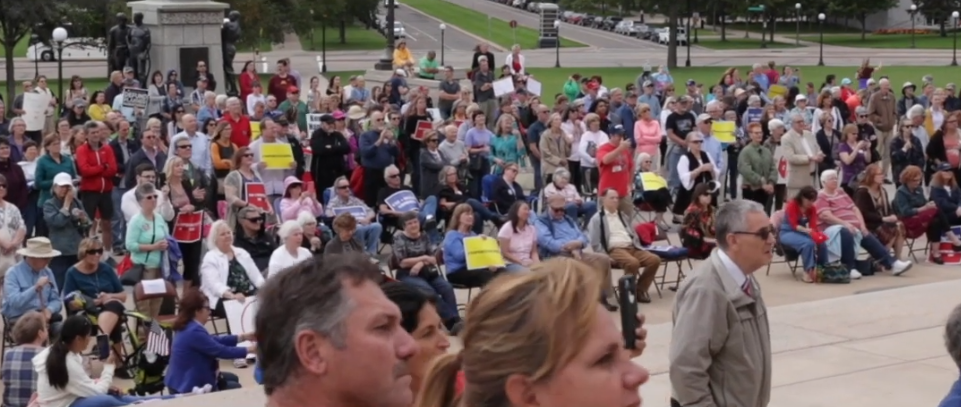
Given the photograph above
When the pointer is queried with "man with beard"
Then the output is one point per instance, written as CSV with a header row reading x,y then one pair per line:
x,y
329,148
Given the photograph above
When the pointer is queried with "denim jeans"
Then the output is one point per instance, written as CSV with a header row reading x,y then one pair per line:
x,y
447,303
515,268
674,154
107,400
877,250
481,214
587,209
429,208
117,224
848,256
370,235
804,244
538,177
32,214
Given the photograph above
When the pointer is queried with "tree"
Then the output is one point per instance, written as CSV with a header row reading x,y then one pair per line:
x,y
938,10
17,19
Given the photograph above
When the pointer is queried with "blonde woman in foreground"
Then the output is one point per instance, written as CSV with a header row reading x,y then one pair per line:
x,y
539,338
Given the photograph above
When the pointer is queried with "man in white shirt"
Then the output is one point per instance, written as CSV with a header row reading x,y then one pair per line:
x,y
257,95
199,144
146,174
273,179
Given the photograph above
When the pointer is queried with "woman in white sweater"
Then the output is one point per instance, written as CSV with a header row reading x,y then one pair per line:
x,y
593,138
290,253
62,380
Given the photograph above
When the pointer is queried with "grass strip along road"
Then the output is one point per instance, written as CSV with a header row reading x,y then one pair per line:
x,y
494,30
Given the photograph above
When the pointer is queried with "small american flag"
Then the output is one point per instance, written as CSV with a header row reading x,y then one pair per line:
x,y
157,341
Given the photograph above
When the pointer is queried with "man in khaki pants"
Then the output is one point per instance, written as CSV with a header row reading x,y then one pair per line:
x,y
883,112
611,232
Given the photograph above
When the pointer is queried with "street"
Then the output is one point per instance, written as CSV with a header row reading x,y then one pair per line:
x,y
423,33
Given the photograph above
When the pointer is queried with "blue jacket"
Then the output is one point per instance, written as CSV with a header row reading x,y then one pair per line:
x,y
373,156
454,257
47,168
947,203
953,399
20,296
553,234
193,357
626,114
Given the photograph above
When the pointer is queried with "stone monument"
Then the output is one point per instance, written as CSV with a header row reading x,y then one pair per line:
x,y
183,32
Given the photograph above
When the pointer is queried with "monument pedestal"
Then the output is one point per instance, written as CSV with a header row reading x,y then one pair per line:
x,y
182,33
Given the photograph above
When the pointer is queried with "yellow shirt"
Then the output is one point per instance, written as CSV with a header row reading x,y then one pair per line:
x,y
617,236
99,112
402,56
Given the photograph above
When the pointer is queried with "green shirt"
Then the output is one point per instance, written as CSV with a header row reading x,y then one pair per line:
x,y
301,113
142,231
426,65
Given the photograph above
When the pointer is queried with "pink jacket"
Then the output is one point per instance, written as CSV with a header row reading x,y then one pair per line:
x,y
647,134
291,208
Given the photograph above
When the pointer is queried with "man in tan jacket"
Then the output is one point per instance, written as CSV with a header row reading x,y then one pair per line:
x,y
803,156
721,344
883,112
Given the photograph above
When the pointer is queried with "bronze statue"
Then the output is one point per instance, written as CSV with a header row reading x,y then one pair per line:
x,y
229,35
117,50
138,45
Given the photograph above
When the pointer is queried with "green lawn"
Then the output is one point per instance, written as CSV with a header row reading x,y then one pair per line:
x,y
887,41
356,38
791,28
737,42
20,50
496,31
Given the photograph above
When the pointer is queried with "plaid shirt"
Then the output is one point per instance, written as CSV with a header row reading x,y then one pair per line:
x,y
19,378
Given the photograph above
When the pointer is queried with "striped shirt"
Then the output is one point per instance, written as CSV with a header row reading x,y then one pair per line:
x,y
840,205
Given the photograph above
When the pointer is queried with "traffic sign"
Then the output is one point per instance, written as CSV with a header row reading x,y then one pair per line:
x,y
513,23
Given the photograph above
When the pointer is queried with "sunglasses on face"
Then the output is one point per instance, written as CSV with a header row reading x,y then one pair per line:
x,y
392,176
343,186
248,155
762,234
433,140
150,197
185,147
95,251
557,210
697,141
255,220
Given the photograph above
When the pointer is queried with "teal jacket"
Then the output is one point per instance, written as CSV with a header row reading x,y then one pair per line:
x,y
47,168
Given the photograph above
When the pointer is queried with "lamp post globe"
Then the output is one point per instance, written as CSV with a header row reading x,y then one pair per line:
x,y
557,43
954,51
443,27
913,9
797,22
821,18
59,36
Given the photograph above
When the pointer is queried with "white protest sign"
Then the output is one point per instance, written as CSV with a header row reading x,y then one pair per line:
x,y
135,98
313,123
35,110
503,86
240,316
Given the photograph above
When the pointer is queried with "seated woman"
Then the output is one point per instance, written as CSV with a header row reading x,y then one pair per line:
x,y
62,379
455,257
799,231
872,201
518,238
97,283
417,265
195,352
946,194
505,190
650,187
835,207
290,251
296,200
919,214
694,168
315,235
419,317
453,193
345,239
697,228
576,207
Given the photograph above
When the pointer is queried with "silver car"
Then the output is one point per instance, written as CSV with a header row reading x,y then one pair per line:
x,y
399,31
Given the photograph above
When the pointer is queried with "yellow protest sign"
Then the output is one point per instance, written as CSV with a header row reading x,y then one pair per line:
x,y
777,90
278,156
724,131
482,252
652,182
254,130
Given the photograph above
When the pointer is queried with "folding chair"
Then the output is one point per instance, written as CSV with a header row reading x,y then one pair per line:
x,y
439,255
7,336
788,255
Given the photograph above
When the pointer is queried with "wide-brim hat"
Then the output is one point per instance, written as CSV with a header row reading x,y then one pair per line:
x,y
356,113
39,247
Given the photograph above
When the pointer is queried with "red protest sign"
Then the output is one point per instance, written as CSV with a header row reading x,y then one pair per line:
x,y
188,227
255,194
423,127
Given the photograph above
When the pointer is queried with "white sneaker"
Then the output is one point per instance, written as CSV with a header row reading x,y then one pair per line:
x,y
855,275
900,267
240,363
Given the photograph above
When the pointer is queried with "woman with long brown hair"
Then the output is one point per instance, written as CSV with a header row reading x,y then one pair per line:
x,y
945,146
222,152
920,214
194,352
872,200
539,338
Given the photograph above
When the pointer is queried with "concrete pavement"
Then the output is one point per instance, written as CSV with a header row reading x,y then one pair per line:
x,y
424,34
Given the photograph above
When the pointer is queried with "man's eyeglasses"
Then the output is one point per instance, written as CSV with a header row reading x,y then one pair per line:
x,y
558,210
343,186
762,234
185,146
392,176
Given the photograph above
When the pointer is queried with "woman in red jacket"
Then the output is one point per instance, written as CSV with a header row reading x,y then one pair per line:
x,y
799,231
247,79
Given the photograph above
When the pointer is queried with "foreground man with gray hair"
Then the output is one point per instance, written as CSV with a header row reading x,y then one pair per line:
x,y
328,336
952,341
721,345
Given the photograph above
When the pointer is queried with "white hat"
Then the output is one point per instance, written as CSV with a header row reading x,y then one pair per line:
x,y
800,97
703,117
401,72
39,247
62,179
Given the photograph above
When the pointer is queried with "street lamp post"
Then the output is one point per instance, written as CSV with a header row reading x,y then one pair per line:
x,y
443,27
557,43
913,9
386,62
687,62
954,51
797,20
323,44
311,29
59,36
821,17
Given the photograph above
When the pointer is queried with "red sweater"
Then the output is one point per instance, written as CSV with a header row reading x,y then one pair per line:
x,y
278,87
239,129
793,214
96,168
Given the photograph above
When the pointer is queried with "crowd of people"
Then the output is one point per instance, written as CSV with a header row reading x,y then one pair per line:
x,y
103,179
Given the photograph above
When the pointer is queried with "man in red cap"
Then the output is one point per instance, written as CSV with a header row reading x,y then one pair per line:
x,y
293,101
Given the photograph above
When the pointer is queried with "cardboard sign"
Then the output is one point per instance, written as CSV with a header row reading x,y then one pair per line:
x,y
754,114
423,127
403,201
278,156
136,98
359,212
777,90
241,316
724,131
482,252
188,227
780,160
255,194
313,122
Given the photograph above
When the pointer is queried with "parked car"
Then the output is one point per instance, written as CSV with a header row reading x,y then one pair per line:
x,y
566,16
81,49
575,18
664,37
644,31
610,22
656,34
387,3
517,3
399,31
625,27
533,7
586,21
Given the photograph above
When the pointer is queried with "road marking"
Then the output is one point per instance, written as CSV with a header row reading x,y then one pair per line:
x,y
424,33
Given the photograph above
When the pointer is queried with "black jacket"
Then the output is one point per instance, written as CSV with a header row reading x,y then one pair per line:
x,y
140,157
133,146
329,152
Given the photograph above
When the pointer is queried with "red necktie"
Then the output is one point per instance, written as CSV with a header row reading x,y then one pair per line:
x,y
748,288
